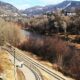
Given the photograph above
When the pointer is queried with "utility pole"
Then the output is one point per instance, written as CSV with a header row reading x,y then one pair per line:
x,y
14,65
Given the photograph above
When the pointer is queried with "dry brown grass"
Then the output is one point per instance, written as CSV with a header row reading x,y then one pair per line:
x,y
6,66
9,32
57,51
1,69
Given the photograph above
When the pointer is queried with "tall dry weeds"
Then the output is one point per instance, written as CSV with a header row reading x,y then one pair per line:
x,y
9,32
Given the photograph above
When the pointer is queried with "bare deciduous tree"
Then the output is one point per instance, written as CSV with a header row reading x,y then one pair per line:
x,y
9,32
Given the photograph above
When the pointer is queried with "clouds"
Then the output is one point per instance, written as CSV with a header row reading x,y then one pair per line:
x,y
20,4
50,1
23,4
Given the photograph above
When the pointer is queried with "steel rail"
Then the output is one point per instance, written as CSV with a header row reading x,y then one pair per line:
x,y
36,64
31,67
43,68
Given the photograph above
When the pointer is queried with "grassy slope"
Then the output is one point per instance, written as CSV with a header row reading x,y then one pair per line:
x,y
6,66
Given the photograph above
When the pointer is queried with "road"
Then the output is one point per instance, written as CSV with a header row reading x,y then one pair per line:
x,y
36,66
30,71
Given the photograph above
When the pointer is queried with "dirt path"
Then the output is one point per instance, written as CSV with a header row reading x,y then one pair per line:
x,y
20,75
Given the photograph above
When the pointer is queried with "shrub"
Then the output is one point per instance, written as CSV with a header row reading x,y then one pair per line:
x,y
55,50
1,69
51,48
9,32
72,63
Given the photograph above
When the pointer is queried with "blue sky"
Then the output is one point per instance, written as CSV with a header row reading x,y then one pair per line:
x,y
23,4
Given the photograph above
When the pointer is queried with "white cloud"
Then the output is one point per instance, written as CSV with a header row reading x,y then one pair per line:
x,y
51,1
23,6
48,1
41,2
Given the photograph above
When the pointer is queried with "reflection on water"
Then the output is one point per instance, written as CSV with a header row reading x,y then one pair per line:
x,y
31,34
26,33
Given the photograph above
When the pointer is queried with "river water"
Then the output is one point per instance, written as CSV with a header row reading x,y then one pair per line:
x,y
31,35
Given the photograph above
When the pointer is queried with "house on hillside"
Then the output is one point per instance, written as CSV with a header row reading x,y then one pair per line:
x,y
69,13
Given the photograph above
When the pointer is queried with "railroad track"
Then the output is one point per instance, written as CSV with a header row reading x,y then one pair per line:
x,y
45,69
35,64
35,71
30,66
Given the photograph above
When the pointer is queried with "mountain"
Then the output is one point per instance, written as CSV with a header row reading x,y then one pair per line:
x,y
8,9
65,5
34,10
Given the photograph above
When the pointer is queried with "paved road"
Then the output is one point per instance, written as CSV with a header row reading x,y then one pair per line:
x,y
29,70
39,68
29,75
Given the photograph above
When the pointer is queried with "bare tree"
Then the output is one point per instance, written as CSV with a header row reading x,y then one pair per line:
x,y
57,26
64,26
9,32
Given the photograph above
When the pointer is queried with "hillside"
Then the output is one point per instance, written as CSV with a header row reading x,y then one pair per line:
x,y
34,10
6,67
8,9
66,5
